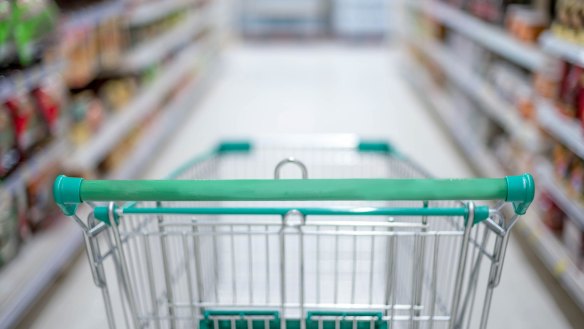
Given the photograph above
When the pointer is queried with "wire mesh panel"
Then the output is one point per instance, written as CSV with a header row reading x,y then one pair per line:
x,y
268,270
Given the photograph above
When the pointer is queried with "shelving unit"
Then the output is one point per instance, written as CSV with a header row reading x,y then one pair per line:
x,y
563,49
42,258
496,108
546,244
148,12
490,36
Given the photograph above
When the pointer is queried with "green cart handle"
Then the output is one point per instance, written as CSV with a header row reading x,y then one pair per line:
x,y
69,192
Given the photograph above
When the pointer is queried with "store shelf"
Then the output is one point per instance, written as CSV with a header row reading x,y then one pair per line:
x,y
488,35
156,49
561,48
156,136
476,152
505,114
92,14
567,131
148,12
28,78
147,101
38,264
573,208
54,152
554,255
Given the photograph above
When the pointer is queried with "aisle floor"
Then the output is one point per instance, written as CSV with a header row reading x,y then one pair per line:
x,y
321,88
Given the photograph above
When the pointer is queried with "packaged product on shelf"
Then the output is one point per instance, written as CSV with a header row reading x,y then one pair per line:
x,y
570,89
525,22
35,20
9,226
493,11
118,93
31,130
6,23
110,43
553,217
562,159
87,116
49,98
576,178
80,50
546,81
10,155
569,20
41,210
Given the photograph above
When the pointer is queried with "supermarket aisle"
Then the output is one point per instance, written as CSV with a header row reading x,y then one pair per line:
x,y
316,89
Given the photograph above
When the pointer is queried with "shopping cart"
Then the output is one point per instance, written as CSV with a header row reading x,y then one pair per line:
x,y
231,241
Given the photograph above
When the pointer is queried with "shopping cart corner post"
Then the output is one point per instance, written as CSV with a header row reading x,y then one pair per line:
x,y
67,193
67,196
521,192
460,271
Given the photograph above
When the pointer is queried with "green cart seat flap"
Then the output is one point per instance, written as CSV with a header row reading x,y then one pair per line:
x,y
345,320
224,319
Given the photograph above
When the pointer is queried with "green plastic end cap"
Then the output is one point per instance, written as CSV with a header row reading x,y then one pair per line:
x,y
234,146
101,213
375,146
480,214
520,191
67,193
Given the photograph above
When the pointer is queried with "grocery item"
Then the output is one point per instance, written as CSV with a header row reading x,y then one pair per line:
x,y
562,158
31,130
576,178
87,115
553,217
79,47
569,20
10,155
6,24
546,81
109,43
41,210
117,93
34,20
48,106
525,22
492,10
570,87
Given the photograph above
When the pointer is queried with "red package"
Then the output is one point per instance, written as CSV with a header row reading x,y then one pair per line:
x,y
48,107
29,128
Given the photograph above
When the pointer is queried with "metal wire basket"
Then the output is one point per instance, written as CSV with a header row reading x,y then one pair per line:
x,y
362,238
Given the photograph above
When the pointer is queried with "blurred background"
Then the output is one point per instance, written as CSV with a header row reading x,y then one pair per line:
x,y
125,89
